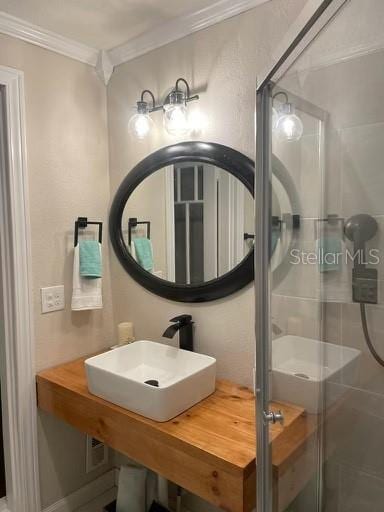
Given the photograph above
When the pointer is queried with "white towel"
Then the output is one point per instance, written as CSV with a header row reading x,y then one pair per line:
x,y
87,292
137,489
133,251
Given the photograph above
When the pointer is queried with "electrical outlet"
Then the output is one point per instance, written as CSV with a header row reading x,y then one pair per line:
x,y
96,454
52,299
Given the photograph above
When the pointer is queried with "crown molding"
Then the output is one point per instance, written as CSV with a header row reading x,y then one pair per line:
x,y
325,59
319,57
106,60
104,67
16,27
180,27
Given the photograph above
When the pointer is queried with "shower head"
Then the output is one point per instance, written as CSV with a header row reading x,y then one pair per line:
x,y
359,229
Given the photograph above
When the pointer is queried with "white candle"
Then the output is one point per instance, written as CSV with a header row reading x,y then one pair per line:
x,y
125,333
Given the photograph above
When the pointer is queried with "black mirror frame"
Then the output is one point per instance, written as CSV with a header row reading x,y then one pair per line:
x,y
218,155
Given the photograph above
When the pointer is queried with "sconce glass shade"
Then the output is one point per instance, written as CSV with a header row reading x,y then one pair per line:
x,y
140,124
175,117
289,126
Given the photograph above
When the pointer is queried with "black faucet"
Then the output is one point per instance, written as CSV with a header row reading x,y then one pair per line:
x,y
184,325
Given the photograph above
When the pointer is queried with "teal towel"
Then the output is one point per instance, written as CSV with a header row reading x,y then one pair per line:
x,y
144,254
329,251
90,259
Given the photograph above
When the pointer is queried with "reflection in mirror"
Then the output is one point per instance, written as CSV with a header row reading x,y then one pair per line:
x,y
282,229
189,222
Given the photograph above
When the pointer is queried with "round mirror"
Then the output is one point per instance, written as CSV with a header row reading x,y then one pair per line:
x,y
182,221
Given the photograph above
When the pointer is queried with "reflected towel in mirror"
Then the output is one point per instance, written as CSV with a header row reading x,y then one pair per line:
x,y
143,252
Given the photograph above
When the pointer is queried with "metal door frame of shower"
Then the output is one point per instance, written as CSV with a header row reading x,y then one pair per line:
x,y
315,15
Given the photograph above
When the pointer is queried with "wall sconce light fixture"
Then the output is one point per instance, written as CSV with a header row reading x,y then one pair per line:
x,y
175,117
141,124
285,122
175,112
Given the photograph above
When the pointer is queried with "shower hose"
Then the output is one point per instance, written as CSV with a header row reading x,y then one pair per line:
x,y
367,336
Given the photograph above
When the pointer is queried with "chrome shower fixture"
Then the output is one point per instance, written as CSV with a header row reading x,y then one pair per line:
x,y
359,229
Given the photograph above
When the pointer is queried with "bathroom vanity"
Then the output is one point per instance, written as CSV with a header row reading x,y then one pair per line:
x,y
208,450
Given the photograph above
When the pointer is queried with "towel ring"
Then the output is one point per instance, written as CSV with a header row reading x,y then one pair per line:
x,y
82,223
133,223
332,219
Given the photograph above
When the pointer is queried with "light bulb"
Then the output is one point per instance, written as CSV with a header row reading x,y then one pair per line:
x,y
140,125
289,126
175,117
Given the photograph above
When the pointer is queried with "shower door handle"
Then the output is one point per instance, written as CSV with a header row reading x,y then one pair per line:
x,y
274,417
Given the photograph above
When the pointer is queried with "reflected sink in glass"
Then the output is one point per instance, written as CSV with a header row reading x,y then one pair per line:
x,y
311,373
151,379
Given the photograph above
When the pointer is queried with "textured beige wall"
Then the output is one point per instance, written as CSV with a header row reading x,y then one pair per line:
x,y
221,63
68,174
67,147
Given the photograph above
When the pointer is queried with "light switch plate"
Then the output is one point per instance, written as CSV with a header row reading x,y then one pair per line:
x,y
52,299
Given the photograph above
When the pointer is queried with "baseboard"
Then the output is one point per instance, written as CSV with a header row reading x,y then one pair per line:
x,y
98,504
90,493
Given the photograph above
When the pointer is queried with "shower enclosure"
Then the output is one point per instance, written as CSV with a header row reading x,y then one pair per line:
x,y
319,320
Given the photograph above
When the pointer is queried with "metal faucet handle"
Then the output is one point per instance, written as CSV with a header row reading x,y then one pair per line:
x,y
183,319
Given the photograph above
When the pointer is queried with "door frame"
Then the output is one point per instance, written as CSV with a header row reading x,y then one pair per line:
x,y
235,214
170,223
17,352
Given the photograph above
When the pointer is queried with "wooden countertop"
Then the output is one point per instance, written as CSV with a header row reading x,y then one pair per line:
x,y
208,450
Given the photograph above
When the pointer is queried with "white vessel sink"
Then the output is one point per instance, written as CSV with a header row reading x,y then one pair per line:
x,y
151,379
311,373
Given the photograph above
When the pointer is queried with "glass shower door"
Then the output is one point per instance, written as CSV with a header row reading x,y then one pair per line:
x,y
299,268
320,271
297,362
291,404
